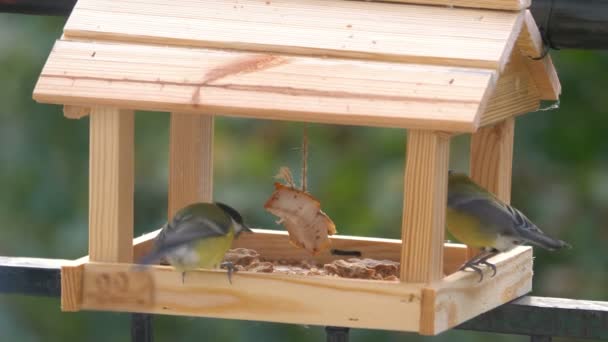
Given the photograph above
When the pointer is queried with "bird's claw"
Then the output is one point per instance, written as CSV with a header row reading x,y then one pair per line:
x,y
229,266
475,262
183,277
490,265
474,267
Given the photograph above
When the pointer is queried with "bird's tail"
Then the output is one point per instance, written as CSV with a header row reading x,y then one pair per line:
x,y
153,257
542,240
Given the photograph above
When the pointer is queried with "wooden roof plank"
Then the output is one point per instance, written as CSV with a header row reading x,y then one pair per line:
x,y
489,4
515,93
387,31
543,71
265,86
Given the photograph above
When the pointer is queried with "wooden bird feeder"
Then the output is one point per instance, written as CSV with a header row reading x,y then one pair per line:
x,y
433,67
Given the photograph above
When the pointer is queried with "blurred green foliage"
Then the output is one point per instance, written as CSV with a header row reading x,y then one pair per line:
x,y
560,180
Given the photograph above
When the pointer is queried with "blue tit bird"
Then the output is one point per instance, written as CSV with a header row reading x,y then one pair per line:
x,y
479,219
198,236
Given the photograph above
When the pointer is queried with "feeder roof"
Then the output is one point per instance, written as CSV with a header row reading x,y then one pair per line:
x,y
331,61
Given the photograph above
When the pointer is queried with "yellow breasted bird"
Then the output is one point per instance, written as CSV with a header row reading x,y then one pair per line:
x,y
479,219
198,236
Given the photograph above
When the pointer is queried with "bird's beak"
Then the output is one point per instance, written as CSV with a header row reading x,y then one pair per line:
x,y
247,229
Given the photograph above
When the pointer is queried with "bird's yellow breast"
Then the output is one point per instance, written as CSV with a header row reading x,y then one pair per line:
x,y
210,251
467,229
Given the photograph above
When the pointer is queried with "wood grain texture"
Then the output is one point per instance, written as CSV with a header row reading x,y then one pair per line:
x,y
320,300
253,296
492,4
275,245
427,311
71,287
266,86
491,161
408,33
75,112
460,296
425,199
111,185
543,72
492,158
190,160
515,93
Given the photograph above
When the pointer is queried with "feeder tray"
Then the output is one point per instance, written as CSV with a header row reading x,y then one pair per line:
x,y
435,68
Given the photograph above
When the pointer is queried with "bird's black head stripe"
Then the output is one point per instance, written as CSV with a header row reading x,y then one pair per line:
x,y
231,211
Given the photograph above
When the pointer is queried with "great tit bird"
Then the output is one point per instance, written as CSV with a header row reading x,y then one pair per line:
x,y
198,236
479,219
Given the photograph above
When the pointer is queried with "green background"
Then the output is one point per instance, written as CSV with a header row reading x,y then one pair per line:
x,y
560,180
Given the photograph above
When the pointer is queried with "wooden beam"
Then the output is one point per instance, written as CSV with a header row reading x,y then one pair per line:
x,y
425,199
512,5
75,112
515,93
527,315
356,303
266,86
452,302
575,24
334,28
111,185
275,245
72,279
270,297
543,72
64,7
491,160
190,160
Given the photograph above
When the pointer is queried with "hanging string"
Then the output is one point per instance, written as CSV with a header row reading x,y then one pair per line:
x,y
304,157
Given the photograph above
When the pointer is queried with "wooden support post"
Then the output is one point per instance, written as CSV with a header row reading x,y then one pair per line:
x,y
492,159
111,185
190,160
423,229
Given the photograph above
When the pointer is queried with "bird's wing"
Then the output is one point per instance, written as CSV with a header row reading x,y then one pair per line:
x,y
508,221
181,232
491,213
529,232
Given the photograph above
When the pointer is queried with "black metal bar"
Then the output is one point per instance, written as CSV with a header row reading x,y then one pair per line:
x,y
39,7
337,334
567,24
141,327
31,276
544,316
573,24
